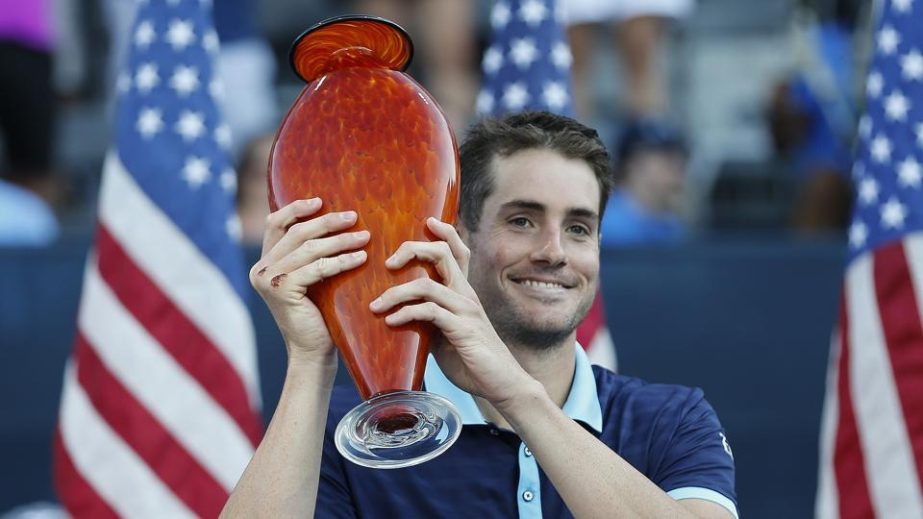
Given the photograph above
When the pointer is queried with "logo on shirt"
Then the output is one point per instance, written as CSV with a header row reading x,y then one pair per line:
x,y
726,445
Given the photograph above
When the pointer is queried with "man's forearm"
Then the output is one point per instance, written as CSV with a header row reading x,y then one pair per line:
x,y
592,479
281,479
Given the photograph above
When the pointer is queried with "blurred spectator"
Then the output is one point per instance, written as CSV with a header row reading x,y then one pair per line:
x,y
25,219
245,65
27,115
639,28
810,117
252,192
650,162
444,46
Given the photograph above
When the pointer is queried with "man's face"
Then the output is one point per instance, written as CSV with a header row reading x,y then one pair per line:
x,y
535,255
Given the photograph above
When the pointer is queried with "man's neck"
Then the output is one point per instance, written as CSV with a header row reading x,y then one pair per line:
x,y
553,367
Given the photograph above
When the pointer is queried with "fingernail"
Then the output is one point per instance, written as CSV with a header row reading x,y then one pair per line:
x,y
348,215
376,304
358,254
311,202
361,234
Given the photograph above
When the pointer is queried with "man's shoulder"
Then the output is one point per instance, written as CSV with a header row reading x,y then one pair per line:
x,y
620,394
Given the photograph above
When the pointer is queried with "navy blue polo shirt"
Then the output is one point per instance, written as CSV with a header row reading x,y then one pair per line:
x,y
668,433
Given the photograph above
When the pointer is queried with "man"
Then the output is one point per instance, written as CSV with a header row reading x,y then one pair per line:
x,y
519,273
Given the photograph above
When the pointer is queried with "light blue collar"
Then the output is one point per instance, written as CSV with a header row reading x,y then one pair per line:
x,y
582,402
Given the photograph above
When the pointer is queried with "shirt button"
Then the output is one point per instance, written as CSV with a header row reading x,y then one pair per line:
x,y
527,452
528,496
494,431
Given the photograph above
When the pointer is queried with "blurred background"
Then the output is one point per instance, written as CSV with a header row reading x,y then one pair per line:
x,y
730,123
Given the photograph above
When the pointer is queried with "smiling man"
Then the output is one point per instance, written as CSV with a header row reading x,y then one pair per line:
x,y
545,434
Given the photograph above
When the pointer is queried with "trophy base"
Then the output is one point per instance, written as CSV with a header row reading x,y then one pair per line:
x,y
398,429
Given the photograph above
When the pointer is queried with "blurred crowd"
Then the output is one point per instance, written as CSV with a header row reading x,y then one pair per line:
x,y
721,116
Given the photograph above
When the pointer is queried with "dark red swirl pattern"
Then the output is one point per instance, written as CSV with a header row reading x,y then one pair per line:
x,y
350,42
371,140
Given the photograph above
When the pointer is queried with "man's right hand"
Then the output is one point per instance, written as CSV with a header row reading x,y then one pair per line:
x,y
298,252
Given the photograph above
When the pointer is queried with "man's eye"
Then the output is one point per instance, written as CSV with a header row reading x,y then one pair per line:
x,y
580,229
520,222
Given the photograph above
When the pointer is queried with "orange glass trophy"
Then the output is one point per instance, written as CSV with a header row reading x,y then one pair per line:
x,y
364,136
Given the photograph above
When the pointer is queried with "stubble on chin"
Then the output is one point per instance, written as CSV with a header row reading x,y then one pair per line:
x,y
514,327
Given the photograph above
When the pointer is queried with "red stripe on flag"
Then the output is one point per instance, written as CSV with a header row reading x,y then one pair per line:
x,y
900,320
855,501
176,333
77,496
172,463
592,323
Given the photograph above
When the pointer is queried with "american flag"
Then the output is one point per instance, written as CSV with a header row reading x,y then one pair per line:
x,y
872,439
527,67
158,412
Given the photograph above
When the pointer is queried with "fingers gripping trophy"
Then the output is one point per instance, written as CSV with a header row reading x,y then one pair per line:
x,y
364,136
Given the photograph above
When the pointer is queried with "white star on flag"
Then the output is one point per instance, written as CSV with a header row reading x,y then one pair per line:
x,y
150,122
561,56
228,180
533,12
147,78
880,149
145,35
523,52
500,15
868,190
515,96
185,80
903,5
896,106
210,41
180,34
874,84
223,136
216,88
196,171
233,227
493,60
908,172
555,95
858,233
485,102
912,65
888,40
919,130
191,125
893,214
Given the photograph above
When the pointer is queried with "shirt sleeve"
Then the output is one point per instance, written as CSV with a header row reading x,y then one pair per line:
x,y
694,453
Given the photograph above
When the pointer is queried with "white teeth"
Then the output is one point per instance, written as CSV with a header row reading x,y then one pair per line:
x,y
540,284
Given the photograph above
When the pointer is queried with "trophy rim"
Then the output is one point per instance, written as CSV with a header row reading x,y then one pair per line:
x,y
400,31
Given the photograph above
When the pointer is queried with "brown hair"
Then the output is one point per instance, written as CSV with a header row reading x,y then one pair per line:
x,y
505,136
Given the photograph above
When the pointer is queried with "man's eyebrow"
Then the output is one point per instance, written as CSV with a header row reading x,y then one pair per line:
x,y
583,213
532,205
524,204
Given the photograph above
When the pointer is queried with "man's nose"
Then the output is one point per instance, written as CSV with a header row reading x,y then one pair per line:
x,y
550,248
